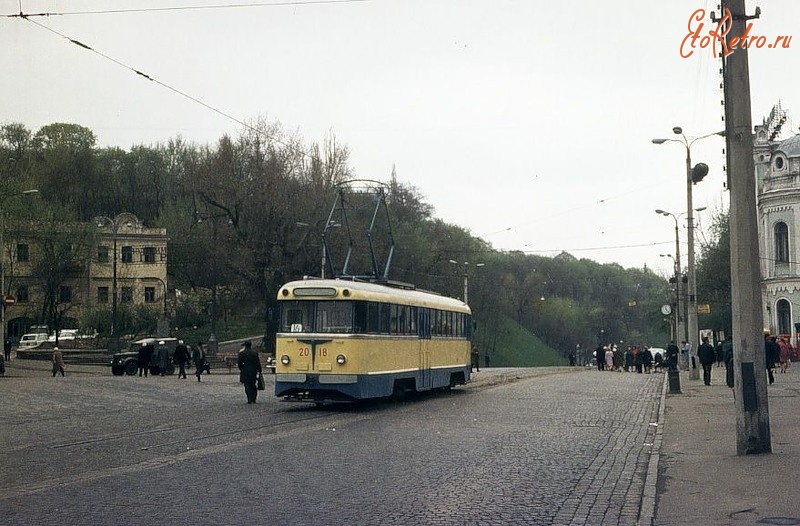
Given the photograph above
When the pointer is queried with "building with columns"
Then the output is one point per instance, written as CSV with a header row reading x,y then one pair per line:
x,y
777,170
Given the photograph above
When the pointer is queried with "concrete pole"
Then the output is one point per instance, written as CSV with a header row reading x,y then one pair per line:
x,y
691,286
752,405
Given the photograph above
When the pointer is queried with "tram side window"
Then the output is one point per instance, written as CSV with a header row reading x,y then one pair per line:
x,y
372,318
296,316
360,317
334,316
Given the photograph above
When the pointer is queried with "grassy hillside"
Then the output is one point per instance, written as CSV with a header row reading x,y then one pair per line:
x,y
510,345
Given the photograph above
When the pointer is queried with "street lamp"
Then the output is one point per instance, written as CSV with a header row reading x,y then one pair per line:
x,y
466,277
114,224
3,260
693,176
676,271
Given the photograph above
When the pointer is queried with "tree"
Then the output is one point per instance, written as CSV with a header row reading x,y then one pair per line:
x,y
714,276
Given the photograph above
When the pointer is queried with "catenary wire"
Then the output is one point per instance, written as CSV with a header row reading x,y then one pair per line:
x,y
21,14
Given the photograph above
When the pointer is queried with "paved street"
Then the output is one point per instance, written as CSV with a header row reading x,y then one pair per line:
x,y
558,446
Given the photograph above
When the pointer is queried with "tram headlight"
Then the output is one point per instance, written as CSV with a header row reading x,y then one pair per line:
x,y
285,359
341,359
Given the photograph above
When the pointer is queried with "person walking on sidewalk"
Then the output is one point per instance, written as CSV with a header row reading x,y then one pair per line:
x,y
785,354
58,362
249,368
773,354
707,358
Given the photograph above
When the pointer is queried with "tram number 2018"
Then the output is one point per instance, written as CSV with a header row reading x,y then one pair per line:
x,y
306,351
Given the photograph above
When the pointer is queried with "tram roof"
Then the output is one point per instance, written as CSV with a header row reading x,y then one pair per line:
x,y
364,290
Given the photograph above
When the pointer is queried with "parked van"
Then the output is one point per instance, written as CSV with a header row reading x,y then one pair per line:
x,y
31,340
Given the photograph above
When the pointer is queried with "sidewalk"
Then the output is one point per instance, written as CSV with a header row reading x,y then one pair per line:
x,y
701,480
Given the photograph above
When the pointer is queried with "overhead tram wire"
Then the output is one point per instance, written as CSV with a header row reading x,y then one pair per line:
x,y
173,89
183,8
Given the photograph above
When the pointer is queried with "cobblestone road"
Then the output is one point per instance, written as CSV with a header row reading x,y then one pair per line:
x,y
565,448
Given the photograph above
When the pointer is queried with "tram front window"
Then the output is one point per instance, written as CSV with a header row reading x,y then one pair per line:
x,y
296,316
334,316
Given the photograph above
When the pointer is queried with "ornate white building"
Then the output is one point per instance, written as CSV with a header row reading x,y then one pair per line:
x,y
777,165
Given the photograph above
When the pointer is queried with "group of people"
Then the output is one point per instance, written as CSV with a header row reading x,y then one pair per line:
x,y
248,362
636,358
182,356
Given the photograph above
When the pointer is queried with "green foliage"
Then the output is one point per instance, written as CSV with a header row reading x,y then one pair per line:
x,y
246,214
714,277
510,345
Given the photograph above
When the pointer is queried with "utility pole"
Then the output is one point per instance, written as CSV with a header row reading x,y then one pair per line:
x,y
752,406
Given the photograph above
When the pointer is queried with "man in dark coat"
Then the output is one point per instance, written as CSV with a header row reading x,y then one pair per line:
x,y
143,358
249,369
707,357
163,357
672,356
182,357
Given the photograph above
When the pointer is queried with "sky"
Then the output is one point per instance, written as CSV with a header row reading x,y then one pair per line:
x,y
527,122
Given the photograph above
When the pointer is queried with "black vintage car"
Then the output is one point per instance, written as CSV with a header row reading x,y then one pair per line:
x,y
126,362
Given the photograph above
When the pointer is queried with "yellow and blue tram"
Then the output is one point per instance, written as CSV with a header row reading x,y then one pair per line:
x,y
343,340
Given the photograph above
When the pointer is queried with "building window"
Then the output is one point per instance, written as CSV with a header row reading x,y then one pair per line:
x,y
22,252
127,295
784,317
127,254
102,294
149,294
149,254
22,294
64,294
102,254
781,242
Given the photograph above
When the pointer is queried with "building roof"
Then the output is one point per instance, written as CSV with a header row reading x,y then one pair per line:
x,y
790,146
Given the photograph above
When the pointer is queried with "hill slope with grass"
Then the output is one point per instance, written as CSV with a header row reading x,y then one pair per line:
x,y
510,345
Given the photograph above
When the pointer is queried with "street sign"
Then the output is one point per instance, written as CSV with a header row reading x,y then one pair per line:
x,y
9,300
704,309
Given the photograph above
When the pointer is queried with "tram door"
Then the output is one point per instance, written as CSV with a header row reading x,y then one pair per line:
x,y
425,321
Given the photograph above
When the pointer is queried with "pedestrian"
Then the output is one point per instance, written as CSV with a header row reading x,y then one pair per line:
x,y
707,357
600,357
199,358
476,359
658,362
163,357
181,356
628,360
249,369
720,354
619,358
638,359
672,356
7,345
727,352
647,359
772,354
609,357
143,358
58,361
785,354
686,350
